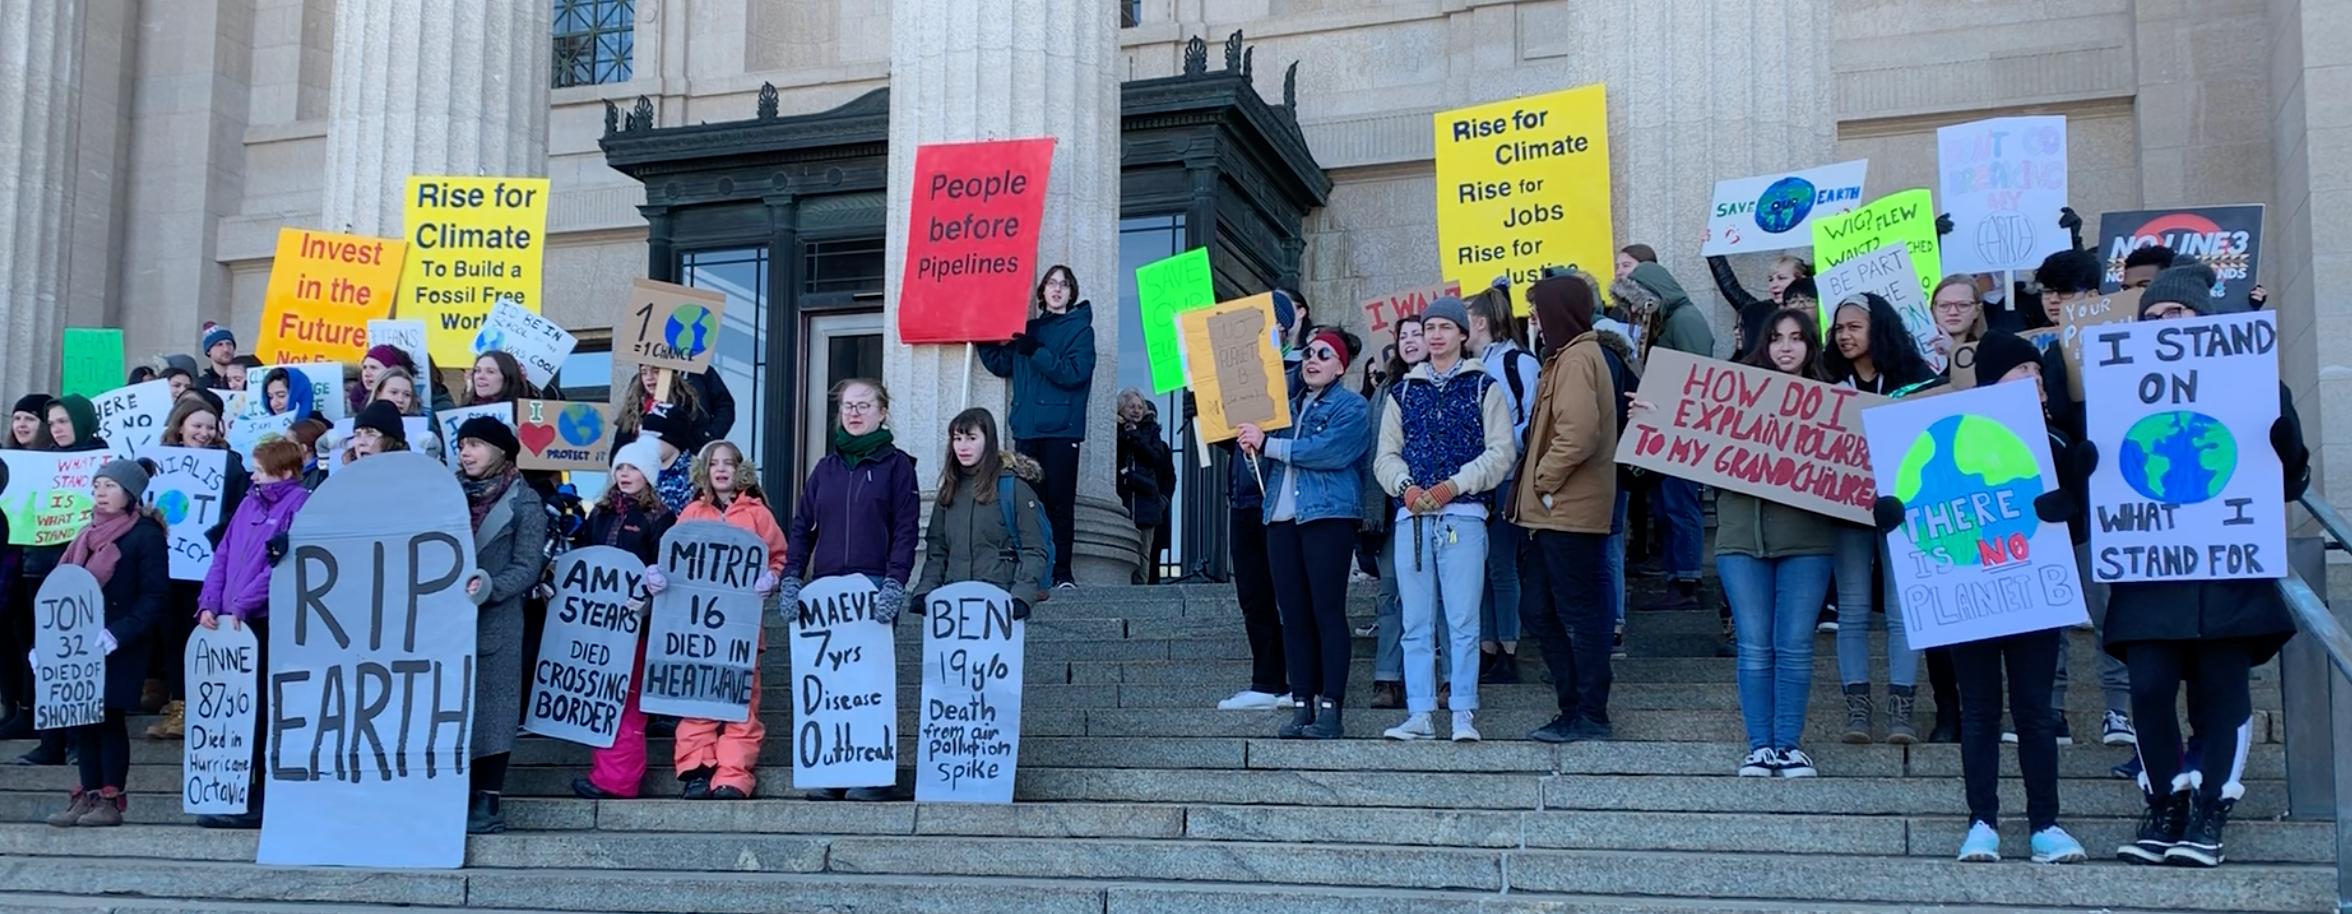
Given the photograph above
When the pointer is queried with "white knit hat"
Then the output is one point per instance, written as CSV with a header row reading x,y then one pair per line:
x,y
644,454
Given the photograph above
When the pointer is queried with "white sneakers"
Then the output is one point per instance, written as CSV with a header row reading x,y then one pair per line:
x,y
1760,764
1464,730
1249,700
1418,727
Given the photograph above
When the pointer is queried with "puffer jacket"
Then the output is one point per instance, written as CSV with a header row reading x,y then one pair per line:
x,y
967,540
1051,382
238,582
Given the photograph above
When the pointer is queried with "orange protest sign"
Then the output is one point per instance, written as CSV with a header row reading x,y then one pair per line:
x,y
323,289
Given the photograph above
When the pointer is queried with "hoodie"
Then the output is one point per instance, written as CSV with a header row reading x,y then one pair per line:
x,y
299,397
1680,325
1052,370
967,540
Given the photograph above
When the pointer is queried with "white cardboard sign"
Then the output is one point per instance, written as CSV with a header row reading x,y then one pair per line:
x,y
223,665
969,743
845,687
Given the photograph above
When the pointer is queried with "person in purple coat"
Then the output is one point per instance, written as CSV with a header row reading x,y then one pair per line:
x,y
236,588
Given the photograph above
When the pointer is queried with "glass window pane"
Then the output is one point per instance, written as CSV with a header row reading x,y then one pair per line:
x,y
593,41
741,275
1144,239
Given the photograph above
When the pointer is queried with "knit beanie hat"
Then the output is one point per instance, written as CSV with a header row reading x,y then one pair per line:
x,y
1448,308
34,404
214,334
182,362
493,433
2186,282
644,454
390,356
2000,351
1801,287
384,418
85,416
127,474
1285,310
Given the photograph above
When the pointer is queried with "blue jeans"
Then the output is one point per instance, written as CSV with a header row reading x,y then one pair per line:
x,y
1438,555
1498,609
1774,605
1613,560
1858,551
1678,503
1388,653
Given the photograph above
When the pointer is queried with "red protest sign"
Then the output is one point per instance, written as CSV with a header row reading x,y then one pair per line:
x,y
1772,435
1382,312
971,252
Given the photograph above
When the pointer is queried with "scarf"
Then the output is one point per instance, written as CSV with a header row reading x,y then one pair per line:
x,y
482,493
94,548
856,448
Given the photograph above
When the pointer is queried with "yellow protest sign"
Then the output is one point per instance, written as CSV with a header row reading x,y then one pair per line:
x,y
1236,371
1906,216
471,241
1523,184
323,290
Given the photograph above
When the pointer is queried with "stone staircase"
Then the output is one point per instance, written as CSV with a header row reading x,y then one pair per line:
x,y
1134,799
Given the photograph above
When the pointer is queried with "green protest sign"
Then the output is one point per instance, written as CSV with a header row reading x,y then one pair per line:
x,y
1162,289
93,361
1906,216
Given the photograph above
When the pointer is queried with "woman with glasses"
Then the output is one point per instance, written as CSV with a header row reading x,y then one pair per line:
x,y
1958,315
1051,364
1314,480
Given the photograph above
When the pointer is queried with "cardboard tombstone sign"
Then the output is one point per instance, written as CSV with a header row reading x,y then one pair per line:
x,y
223,665
845,687
69,668
371,675
587,651
969,740
702,653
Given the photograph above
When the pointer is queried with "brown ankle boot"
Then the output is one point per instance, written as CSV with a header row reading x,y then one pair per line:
x,y
106,811
76,806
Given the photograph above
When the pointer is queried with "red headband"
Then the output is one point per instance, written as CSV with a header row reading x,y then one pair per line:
x,y
1337,342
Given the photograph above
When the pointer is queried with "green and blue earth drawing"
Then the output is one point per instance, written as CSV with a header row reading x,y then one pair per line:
x,y
2178,457
579,424
173,505
1784,205
1948,465
688,330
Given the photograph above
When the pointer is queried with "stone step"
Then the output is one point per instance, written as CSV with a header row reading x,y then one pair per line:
x,y
1941,760
567,872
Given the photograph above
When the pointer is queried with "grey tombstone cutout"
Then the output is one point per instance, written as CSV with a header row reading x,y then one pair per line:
x,y
371,679
970,735
69,676
589,647
845,687
702,655
216,767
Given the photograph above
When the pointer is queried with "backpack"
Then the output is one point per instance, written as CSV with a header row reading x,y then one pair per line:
x,y
1005,496
1622,380
1518,387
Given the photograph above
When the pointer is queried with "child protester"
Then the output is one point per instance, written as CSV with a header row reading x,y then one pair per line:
x,y
714,758
630,517
236,587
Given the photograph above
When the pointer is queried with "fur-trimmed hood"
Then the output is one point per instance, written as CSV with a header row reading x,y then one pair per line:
x,y
1023,467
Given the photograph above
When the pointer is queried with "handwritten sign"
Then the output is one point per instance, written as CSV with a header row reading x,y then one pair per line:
x,y
2078,318
326,391
2187,485
407,336
971,248
250,432
1163,289
216,764
1773,212
1887,273
702,656
324,289
453,419
1523,184
1972,560
92,361
845,702
1381,313
970,738
471,242
564,436
1236,371
1771,435
588,648
371,672
2003,180
667,325
69,678
47,499
536,342
130,419
185,491
1905,217
2226,238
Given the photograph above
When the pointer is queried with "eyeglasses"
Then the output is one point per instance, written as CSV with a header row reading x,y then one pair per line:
x,y
1322,352
1954,307
859,407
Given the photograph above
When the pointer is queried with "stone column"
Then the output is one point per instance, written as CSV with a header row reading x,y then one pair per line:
x,y
39,83
965,70
431,87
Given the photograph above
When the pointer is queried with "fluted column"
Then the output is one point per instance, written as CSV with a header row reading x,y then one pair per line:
x,y
40,115
1005,69
454,87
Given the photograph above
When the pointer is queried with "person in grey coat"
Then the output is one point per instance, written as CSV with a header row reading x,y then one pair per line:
x,y
510,548
967,539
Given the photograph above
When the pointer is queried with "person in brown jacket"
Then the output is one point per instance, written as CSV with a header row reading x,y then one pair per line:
x,y
1566,498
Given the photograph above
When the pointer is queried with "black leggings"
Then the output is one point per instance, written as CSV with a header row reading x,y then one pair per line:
x,y
2221,705
2031,662
1310,565
1253,586
1058,458
105,749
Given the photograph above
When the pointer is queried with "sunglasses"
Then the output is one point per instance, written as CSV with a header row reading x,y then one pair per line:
x,y
1322,352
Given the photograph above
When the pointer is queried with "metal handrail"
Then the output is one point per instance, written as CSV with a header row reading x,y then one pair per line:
x,y
2310,609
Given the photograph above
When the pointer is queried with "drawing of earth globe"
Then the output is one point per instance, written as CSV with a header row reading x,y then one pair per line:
x,y
1784,205
579,424
491,338
173,505
688,330
1947,466
2178,457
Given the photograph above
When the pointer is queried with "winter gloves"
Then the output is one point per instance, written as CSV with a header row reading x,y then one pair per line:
x,y
1024,344
768,582
106,642
277,548
655,580
889,600
787,593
